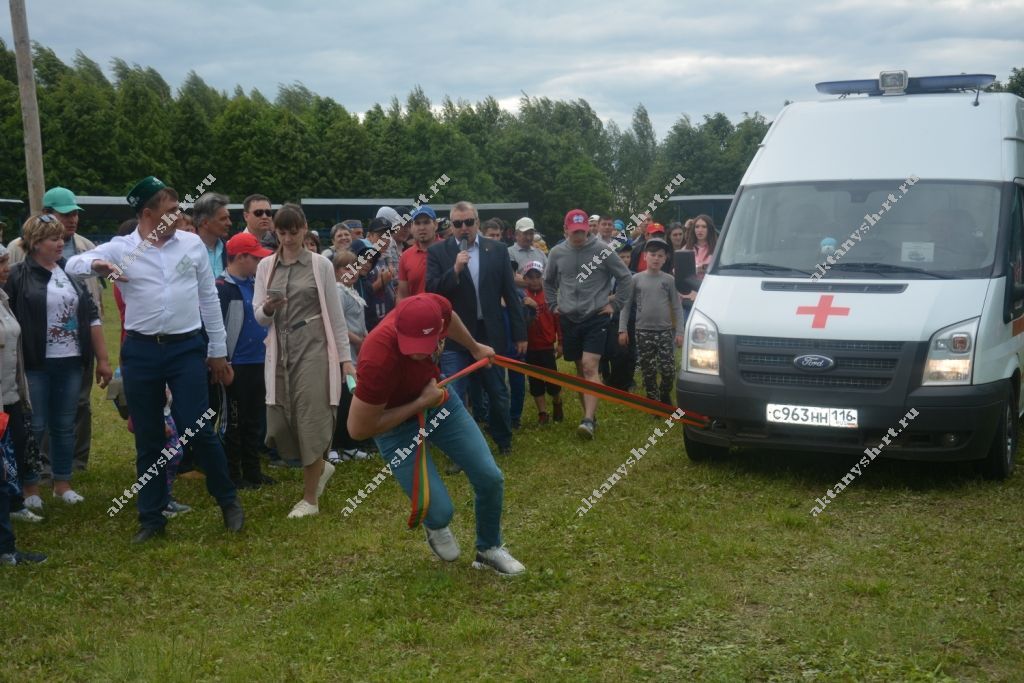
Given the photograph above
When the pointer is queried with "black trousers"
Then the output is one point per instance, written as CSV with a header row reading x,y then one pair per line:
x,y
6,531
247,406
342,439
19,437
618,365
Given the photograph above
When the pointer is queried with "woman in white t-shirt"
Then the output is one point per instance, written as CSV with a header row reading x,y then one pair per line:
x,y
60,326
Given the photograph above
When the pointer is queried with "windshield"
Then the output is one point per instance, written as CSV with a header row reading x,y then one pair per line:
x,y
850,229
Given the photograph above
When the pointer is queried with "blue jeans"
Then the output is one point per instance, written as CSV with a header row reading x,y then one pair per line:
x,y
460,439
492,379
54,395
148,369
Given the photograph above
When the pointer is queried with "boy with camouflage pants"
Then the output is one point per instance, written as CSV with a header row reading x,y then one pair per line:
x,y
656,304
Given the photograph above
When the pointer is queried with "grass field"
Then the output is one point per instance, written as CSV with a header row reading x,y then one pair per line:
x,y
681,572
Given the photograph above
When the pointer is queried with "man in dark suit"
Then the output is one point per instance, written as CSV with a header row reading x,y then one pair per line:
x,y
475,274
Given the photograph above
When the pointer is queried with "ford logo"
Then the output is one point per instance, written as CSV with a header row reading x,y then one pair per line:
x,y
813,362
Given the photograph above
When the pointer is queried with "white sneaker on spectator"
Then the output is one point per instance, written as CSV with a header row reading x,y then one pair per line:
x,y
333,457
443,543
356,454
70,497
26,515
34,503
500,560
303,509
324,476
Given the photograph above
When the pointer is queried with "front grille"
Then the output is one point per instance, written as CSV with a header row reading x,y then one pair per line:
x,y
817,381
820,344
863,365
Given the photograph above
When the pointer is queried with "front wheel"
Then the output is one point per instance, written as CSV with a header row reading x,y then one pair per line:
x,y
1000,461
700,452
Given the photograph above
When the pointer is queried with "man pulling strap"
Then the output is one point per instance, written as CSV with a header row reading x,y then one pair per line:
x,y
397,382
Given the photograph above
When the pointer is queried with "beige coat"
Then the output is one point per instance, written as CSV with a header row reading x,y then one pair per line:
x,y
332,317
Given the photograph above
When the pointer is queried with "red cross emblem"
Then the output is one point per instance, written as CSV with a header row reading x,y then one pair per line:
x,y
822,311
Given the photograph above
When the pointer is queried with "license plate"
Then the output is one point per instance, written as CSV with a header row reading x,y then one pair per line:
x,y
845,418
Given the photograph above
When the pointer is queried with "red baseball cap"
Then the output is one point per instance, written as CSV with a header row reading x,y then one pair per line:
x,y
246,243
655,227
419,323
577,220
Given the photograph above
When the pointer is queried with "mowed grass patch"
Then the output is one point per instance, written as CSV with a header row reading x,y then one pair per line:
x,y
681,571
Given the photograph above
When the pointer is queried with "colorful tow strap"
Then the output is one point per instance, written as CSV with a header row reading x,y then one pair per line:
x,y
420,480
625,398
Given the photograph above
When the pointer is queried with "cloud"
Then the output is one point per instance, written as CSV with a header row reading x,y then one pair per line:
x,y
675,58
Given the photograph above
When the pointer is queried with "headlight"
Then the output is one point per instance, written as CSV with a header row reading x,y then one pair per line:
x,y
951,354
701,351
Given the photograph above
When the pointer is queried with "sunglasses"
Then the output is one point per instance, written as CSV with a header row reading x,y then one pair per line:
x,y
469,223
47,218
263,213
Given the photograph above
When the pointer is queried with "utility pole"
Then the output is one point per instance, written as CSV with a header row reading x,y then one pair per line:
x,y
29,107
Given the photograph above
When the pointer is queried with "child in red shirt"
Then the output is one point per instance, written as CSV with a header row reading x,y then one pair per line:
x,y
543,343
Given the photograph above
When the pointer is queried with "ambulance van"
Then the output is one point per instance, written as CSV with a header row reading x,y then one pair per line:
x,y
867,291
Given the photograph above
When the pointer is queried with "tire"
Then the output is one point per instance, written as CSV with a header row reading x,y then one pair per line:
x,y
701,452
1001,458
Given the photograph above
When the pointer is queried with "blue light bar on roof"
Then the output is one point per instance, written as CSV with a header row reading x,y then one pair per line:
x,y
915,86
867,86
949,83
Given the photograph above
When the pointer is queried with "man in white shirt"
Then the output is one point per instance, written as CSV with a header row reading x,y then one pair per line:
x,y
168,287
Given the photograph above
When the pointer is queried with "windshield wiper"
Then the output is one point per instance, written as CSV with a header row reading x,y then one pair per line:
x,y
766,267
889,268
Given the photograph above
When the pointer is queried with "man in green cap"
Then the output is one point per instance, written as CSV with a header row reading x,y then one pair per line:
x,y
174,331
61,203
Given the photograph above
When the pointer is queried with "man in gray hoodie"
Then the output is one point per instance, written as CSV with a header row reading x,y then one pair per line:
x,y
578,280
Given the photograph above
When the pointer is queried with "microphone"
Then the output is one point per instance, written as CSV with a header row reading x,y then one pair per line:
x,y
463,244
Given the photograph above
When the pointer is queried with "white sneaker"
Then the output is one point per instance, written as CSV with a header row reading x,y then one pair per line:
x,y
356,454
499,560
346,455
70,497
333,457
34,503
303,509
26,515
324,477
443,543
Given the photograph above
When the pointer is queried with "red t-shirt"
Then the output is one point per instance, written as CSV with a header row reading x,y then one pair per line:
x,y
543,331
412,268
387,376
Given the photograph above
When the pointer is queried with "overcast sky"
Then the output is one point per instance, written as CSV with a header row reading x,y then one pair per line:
x,y
674,57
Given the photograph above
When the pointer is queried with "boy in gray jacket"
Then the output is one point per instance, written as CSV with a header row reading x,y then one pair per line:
x,y
577,280
656,304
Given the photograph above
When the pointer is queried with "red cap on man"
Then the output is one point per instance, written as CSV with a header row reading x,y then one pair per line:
x,y
419,324
655,228
577,220
246,243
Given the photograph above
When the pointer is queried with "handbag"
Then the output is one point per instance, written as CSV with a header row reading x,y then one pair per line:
x,y
9,483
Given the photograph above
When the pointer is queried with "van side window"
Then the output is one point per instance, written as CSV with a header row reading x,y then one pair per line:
x,y
1017,249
